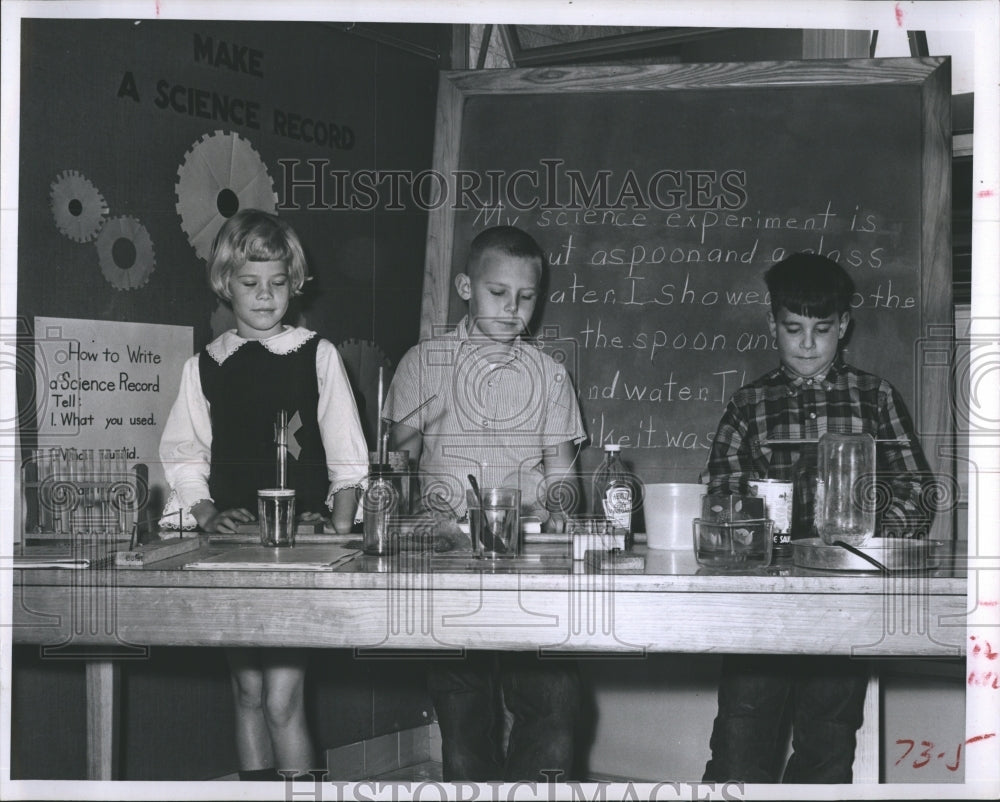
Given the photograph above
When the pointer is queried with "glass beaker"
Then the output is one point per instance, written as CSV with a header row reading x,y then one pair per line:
x,y
276,513
845,488
495,522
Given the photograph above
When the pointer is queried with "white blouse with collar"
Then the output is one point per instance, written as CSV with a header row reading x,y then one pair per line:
x,y
186,445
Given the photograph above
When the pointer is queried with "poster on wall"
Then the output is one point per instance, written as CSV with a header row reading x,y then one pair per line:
x,y
103,393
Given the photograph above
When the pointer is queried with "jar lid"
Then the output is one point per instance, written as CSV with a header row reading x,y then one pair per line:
x,y
276,492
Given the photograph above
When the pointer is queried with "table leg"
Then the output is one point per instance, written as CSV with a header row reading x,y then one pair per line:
x,y
866,755
103,697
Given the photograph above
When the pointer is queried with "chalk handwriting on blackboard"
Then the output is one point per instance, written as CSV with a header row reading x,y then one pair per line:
x,y
661,195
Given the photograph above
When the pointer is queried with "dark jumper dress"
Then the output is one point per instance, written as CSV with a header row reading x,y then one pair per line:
x,y
245,394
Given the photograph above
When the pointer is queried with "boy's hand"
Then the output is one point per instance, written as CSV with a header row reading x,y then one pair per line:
x,y
556,524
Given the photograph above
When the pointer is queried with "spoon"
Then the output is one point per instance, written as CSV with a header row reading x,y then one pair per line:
x,y
866,557
489,540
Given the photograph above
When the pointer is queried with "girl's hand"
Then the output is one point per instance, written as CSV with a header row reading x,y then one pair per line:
x,y
227,521
311,518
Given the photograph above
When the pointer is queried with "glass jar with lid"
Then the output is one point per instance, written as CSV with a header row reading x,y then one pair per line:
x,y
845,488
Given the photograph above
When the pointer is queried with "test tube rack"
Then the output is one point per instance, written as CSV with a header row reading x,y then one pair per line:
x,y
69,492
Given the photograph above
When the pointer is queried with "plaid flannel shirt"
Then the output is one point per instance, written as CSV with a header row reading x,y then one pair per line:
x,y
781,406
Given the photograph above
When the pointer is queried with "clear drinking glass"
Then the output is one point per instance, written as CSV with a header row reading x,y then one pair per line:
x,y
845,488
495,523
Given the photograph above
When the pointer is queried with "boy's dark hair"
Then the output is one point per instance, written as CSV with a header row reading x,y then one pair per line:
x,y
810,285
507,240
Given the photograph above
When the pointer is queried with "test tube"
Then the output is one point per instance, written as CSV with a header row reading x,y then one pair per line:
x,y
59,521
72,477
41,468
128,509
106,476
87,488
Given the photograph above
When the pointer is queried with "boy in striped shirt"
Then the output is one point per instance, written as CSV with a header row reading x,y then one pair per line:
x,y
493,405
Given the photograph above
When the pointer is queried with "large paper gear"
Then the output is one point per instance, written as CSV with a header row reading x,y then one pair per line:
x,y
221,174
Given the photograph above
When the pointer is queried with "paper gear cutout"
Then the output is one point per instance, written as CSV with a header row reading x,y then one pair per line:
x,y
125,251
78,207
221,174
362,359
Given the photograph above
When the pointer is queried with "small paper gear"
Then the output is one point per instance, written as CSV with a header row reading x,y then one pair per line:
x,y
125,252
221,174
78,207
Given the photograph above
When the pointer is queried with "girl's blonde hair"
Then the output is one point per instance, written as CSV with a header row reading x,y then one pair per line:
x,y
252,235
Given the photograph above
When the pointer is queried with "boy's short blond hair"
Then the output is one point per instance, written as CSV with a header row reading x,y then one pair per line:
x,y
506,240
252,235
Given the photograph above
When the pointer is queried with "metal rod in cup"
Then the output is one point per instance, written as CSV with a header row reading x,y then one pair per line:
x,y
383,451
415,410
379,448
281,439
385,428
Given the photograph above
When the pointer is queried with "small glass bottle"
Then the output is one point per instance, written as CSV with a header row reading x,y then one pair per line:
x,y
614,493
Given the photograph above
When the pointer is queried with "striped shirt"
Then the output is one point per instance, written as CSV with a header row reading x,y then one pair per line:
x,y
496,408
781,406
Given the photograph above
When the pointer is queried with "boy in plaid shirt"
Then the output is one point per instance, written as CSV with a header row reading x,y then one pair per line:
x,y
811,392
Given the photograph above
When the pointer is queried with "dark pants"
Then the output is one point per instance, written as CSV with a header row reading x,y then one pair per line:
x,y
543,696
827,696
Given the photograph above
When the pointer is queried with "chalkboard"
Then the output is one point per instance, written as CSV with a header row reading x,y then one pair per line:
x,y
662,194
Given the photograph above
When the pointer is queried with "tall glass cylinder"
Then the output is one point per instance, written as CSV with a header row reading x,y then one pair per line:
x,y
845,488
381,506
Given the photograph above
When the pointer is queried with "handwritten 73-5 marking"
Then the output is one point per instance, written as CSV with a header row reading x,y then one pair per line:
x,y
926,755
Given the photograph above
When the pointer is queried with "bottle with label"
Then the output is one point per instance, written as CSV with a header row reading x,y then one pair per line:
x,y
614,493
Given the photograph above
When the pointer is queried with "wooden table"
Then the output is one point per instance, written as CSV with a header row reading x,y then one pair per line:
x,y
415,603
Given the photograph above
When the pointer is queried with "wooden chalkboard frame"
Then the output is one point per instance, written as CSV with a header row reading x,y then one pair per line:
x,y
932,75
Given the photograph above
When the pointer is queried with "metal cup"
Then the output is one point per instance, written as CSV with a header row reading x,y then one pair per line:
x,y
276,514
